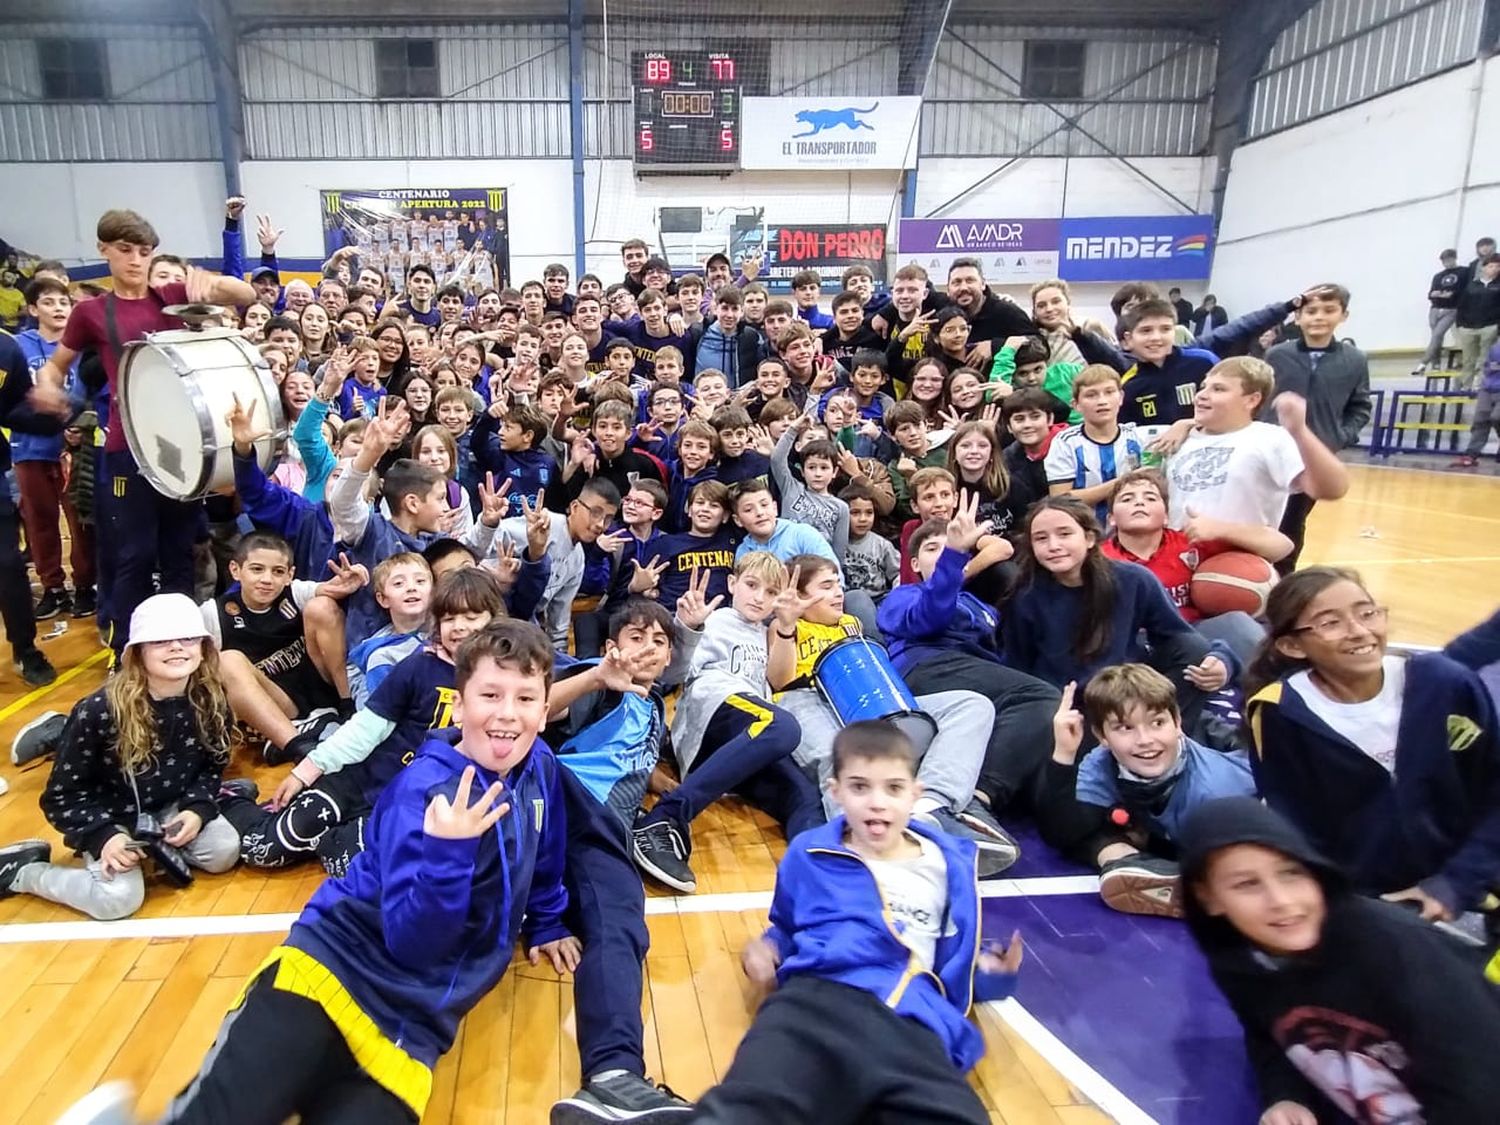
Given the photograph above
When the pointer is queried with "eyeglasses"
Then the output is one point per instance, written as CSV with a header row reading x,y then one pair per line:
x,y
163,646
1334,626
600,516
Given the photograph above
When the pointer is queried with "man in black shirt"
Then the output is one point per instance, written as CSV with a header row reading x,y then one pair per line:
x,y
1478,319
1184,307
1442,297
992,320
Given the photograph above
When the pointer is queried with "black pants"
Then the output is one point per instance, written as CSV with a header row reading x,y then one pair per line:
x,y
607,912
325,820
821,1053
747,749
1021,740
149,533
279,1054
15,587
1294,526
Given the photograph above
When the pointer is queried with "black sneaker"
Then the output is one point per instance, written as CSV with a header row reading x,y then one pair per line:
x,y
319,723
977,816
297,748
85,603
15,856
661,852
37,738
995,854
35,668
237,789
1142,884
621,1097
51,604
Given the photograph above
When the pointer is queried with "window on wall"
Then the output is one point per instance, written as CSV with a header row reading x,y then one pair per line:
x,y
1053,69
406,68
73,69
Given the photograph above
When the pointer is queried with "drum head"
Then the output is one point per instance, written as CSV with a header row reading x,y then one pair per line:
x,y
161,422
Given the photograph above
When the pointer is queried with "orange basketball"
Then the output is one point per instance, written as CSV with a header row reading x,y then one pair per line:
x,y
1235,580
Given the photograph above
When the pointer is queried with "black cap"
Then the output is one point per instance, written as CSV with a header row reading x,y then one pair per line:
x,y
716,257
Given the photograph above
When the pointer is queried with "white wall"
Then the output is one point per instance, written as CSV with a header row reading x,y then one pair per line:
x,y
1367,196
51,209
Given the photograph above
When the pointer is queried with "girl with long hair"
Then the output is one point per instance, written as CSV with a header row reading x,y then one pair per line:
x,y
927,383
1075,611
975,462
318,339
138,770
395,357
1389,763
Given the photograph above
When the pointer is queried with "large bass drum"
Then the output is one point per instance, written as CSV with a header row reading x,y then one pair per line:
x,y
176,391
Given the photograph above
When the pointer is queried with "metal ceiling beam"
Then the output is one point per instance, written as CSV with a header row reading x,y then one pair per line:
x,y
1249,33
221,49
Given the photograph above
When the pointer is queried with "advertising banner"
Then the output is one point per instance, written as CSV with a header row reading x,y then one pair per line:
x,y
829,134
461,234
1148,248
829,248
1012,251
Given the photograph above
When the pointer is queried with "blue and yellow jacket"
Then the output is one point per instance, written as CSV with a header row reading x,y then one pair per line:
x,y
1160,394
1434,823
421,928
829,920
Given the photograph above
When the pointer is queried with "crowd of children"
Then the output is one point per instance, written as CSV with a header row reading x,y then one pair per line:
x,y
537,576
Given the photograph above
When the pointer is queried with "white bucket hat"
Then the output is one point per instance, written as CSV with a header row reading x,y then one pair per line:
x,y
166,617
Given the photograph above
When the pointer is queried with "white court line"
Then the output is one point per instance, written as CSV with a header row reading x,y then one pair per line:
x,y
1058,1055
189,926
1079,1074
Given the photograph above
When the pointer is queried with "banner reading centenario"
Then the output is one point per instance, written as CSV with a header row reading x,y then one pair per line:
x,y
461,234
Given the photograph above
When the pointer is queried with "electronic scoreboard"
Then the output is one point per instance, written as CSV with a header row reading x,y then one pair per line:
x,y
687,110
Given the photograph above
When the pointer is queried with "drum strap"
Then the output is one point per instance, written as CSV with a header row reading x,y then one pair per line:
x,y
112,329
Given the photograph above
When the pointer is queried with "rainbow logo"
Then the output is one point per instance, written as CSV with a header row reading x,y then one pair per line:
x,y
1195,245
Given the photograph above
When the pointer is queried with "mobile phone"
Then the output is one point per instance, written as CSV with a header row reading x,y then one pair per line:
x,y
345,337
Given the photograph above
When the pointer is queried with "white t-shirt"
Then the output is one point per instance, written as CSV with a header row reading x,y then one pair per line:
x,y
1371,725
1243,477
916,893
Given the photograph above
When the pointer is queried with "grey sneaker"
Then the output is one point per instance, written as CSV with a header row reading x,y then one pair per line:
x,y
1142,884
996,853
110,1104
621,1096
37,738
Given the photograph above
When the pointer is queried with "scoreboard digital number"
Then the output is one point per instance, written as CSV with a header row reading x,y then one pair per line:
x,y
687,107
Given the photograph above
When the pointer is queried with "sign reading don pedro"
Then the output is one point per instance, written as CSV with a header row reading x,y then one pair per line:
x,y
461,234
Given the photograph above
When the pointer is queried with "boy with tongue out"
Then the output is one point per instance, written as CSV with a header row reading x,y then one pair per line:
x,y
875,955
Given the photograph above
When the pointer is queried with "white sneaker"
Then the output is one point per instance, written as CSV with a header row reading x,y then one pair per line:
x,y
110,1104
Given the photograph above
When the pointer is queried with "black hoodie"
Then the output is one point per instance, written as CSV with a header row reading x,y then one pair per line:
x,y
1388,1020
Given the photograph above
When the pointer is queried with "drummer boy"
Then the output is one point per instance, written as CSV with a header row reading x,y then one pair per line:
x,y
148,532
951,758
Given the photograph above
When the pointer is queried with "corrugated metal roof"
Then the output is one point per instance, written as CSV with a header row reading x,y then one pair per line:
x,y
160,103
1344,51
1151,91
309,93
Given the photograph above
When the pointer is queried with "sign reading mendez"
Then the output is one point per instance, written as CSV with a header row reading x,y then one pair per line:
x,y
829,134
1148,248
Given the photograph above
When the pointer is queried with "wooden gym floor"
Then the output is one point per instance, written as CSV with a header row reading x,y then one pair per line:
x,y
86,1002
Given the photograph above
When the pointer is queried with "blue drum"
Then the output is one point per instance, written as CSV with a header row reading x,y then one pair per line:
x,y
856,679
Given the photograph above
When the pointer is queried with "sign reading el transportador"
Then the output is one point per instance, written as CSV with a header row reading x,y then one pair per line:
x,y
829,134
